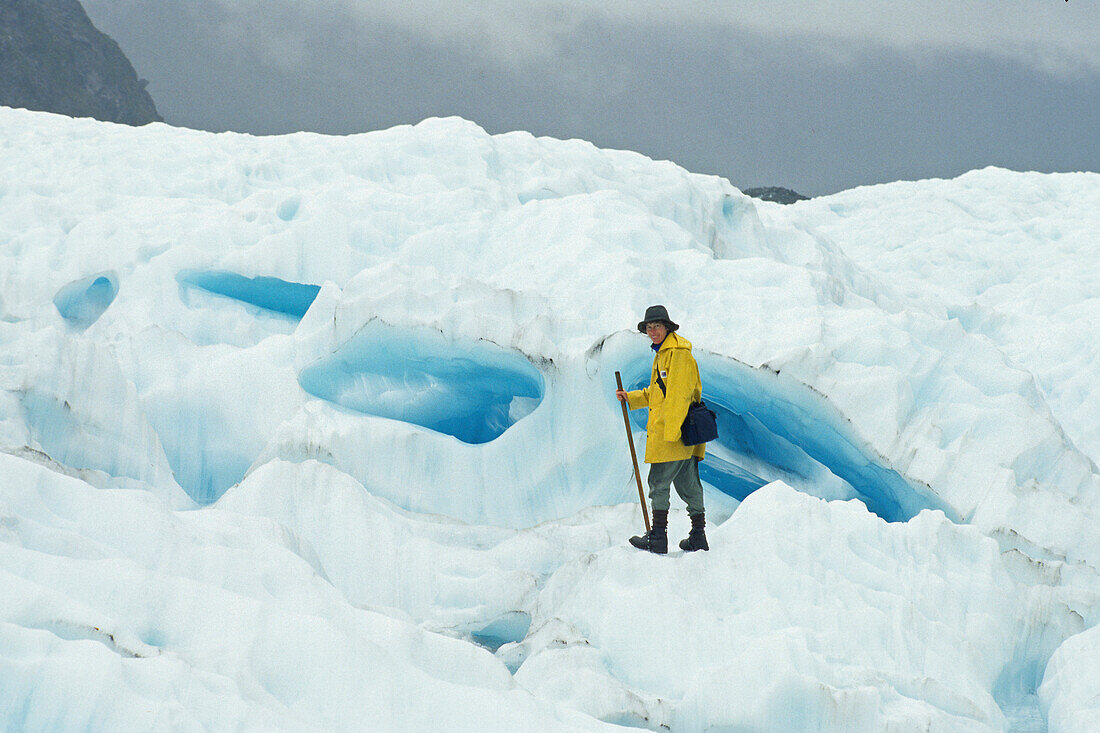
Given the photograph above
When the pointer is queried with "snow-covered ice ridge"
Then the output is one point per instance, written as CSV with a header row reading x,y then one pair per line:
x,y
312,432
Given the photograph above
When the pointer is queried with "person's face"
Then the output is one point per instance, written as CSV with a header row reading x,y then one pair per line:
x,y
656,332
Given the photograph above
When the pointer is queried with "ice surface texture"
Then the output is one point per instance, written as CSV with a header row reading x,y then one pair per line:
x,y
295,430
121,615
751,638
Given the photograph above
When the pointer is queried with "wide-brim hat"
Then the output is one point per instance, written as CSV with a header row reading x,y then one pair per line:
x,y
656,313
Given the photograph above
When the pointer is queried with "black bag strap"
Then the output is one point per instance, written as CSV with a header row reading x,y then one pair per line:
x,y
661,383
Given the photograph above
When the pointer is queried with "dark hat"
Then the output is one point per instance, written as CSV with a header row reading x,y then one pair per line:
x,y
655,313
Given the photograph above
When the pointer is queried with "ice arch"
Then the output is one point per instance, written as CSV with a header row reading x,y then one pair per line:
x,y
473,391
771,427
269,293
83,301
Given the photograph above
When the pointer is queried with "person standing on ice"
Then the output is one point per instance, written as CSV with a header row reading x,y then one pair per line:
x,y
673,385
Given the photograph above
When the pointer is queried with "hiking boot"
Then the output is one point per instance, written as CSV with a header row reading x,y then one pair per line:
x,y
656,539
697,537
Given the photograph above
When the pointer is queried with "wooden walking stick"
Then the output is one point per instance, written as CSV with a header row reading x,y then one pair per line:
x,y
633,455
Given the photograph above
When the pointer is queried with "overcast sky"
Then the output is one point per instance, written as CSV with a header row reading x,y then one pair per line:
x,y
815,96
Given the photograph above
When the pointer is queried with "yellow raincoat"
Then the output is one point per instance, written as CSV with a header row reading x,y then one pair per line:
x,y
667,410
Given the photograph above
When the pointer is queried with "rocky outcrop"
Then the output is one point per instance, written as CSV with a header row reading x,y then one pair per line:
x,y
53,59
776,194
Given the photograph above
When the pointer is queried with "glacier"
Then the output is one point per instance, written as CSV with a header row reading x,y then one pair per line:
x,y
314,432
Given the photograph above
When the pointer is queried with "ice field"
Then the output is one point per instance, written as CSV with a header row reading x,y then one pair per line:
x,y
319,433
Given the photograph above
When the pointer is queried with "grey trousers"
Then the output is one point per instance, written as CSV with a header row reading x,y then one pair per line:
x,y
684,475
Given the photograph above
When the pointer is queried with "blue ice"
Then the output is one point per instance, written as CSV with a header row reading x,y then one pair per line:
x,y
69,440
509,628
791,430
57,431
269,293
472,391
83,301
205,456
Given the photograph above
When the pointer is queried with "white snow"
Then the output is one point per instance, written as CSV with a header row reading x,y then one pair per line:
x,y
1070,694
319,432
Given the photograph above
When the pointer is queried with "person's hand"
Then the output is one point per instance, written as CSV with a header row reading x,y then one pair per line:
x,y
621,394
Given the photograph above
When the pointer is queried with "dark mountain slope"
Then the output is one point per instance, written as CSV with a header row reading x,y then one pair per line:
x,y
53,59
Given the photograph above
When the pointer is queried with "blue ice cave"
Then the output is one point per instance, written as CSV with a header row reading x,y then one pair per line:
x,y
83,301
473,391
269,293
773,428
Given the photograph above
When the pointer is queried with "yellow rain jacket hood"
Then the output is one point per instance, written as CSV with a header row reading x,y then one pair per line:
x,y
667,410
